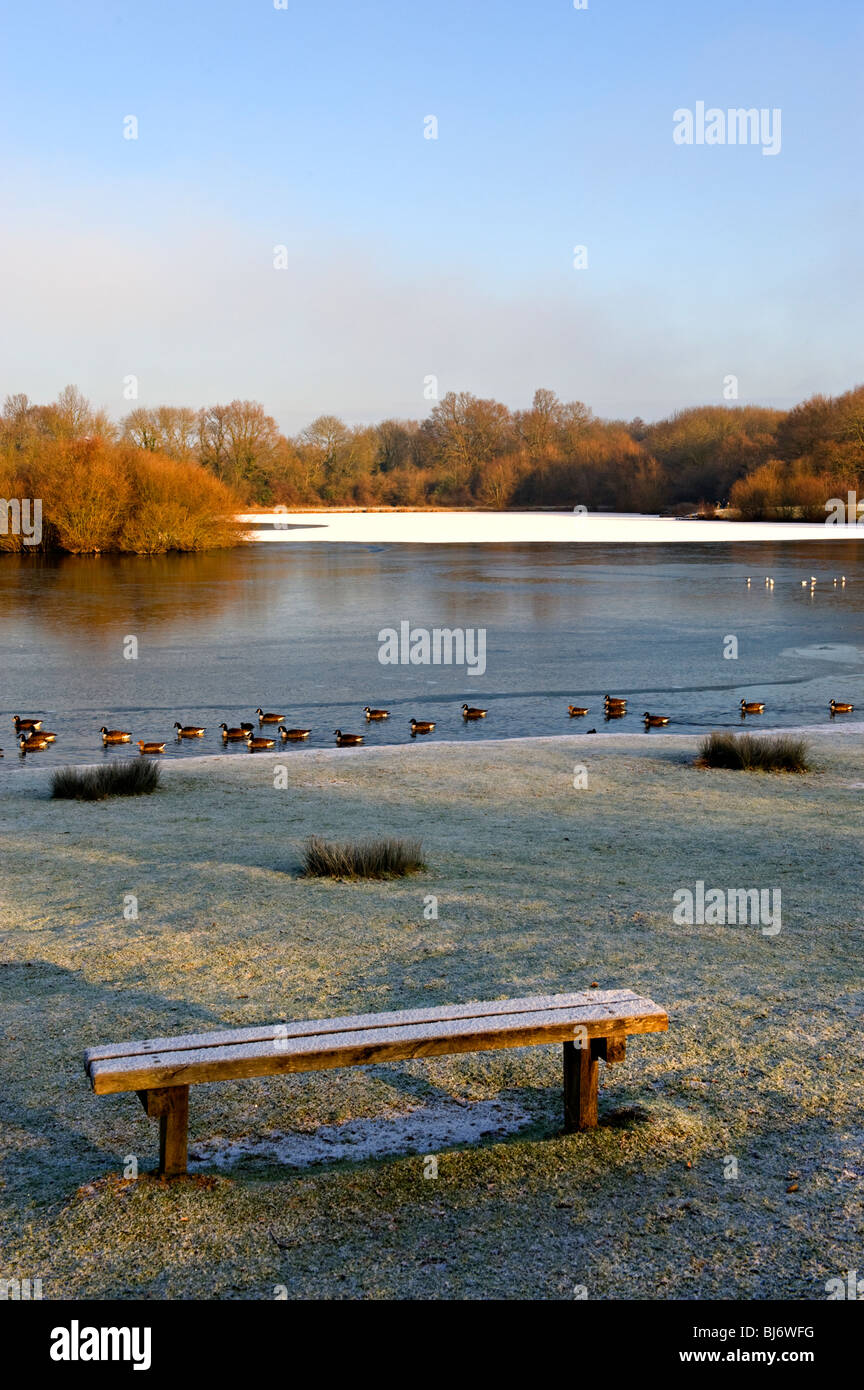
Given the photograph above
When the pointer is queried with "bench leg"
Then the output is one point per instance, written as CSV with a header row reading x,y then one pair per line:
x,y
171,1105
173,1133
580,1088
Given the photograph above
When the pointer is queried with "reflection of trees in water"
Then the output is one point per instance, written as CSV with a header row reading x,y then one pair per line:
x,y
317,590
324,592
71,596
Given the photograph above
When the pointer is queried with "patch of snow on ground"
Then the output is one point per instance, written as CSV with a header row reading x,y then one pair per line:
x,y
426,1130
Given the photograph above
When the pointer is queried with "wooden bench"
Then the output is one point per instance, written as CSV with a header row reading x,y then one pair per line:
x,y
591,1025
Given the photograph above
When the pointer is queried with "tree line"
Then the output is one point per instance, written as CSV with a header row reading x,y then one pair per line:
x,y
468,452
471,451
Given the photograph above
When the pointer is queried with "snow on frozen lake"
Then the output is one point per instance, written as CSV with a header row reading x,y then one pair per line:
x,y
473,527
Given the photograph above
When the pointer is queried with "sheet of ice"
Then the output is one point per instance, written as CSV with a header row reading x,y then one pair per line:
x,y
473,527
827,651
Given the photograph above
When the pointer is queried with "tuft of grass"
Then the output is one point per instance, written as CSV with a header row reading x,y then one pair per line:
x,y
135,777
754,753
362,859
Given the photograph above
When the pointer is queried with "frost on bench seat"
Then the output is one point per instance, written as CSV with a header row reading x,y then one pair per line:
x,y
591,1024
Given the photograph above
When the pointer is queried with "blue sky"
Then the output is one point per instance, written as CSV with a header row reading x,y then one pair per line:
x,y
410,257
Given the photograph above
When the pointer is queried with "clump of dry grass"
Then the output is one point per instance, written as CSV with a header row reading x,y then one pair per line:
x,y
752,753
137,777
362,859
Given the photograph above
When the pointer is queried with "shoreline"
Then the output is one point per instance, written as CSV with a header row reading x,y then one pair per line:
x,y
606,741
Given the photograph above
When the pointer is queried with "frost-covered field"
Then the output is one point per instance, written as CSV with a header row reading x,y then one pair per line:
x,y
317,1182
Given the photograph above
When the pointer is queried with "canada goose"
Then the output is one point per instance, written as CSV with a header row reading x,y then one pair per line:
x,y
144,747
269,718
294,734
575,710
346,740
114,735
233,734
422,726
751,707
31,744
189,730
840,707
614,699
46,737
376,713
25,724
471,712
615,712
258,745
247,728
655,719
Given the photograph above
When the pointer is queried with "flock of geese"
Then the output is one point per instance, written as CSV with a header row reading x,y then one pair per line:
x,y
32,737
615,707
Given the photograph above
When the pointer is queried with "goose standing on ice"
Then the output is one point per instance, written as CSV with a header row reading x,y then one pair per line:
x,y
472,712
26,726
269,718
235,735
32,744
752,707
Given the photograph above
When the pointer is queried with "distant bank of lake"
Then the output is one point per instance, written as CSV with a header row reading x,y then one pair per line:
x,y
519,528
296,628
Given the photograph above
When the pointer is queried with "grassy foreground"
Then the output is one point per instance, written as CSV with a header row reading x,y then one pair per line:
x,y
540,887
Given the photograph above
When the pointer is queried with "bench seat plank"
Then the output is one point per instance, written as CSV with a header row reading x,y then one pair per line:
x,y
611,998
363,1039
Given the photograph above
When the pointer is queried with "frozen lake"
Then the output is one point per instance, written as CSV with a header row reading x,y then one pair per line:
x,y
295,629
